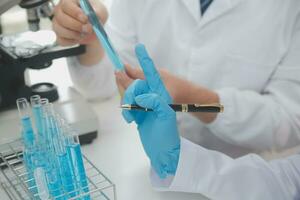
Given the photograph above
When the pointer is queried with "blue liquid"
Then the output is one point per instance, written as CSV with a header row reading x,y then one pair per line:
x,y
101,35
74,154
66,175
54,184
27,157
37,114
28,135
39,171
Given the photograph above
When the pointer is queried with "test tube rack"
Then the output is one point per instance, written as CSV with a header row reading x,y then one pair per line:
x,y
13,177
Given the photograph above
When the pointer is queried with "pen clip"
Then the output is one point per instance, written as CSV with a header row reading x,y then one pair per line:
x,y
220,106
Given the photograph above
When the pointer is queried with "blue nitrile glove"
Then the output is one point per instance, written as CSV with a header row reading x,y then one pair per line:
x,y
158,129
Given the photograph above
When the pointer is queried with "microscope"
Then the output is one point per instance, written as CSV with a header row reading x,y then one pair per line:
x,y
13,66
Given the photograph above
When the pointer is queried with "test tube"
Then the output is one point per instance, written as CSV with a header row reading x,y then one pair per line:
x,y
64,161
28,139
54,182
40,175
28,162
75,156
52,128
51,137
27,131
46,124
37,114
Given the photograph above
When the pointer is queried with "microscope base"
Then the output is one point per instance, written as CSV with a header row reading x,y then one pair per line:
x,y
81,117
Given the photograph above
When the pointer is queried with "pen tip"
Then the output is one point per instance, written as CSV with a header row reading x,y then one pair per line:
x,y
125,106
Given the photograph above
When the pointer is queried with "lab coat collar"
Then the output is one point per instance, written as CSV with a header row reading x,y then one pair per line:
x,y
216,9
194,8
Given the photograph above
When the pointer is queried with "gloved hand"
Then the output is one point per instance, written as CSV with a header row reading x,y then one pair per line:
x,y
157,129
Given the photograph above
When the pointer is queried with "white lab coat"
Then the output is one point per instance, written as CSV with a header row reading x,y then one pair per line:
x,y
218,176
248,51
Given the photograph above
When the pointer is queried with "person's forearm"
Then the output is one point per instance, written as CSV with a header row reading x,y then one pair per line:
x,y
221,177
188,92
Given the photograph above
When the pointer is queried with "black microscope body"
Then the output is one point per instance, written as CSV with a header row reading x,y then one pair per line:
x,y
12,67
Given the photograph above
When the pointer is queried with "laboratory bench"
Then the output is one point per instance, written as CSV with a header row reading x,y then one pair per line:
x,y
117,152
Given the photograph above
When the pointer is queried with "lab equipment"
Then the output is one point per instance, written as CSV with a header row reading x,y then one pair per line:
x,y
101,34
65,164
67,178
40,175
53,159
28,49
36,49
29,140
157,128
33,157
27,129
37,113
14,178
75,156
214,108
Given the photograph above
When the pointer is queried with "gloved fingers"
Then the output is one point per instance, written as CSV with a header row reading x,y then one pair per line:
x,y
136,88
158,169
128,116
151,74
169,160
157,104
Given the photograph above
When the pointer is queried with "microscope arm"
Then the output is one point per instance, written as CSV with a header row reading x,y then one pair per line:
x,y
7,4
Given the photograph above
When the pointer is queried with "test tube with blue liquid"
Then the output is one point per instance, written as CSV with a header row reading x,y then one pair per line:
x,y
40,174
27,129
65,164
45,124
101,34
53,159
78,170
37,113
61,162
54,183
51,136
29,142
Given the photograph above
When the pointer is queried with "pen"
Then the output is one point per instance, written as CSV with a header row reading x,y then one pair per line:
x,y
209,108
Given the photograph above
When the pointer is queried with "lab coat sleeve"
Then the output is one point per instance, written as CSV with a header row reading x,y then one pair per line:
x,y
93,82
98,81
266,120
218,176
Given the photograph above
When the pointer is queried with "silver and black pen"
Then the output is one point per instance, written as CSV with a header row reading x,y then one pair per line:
x,y
209,108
